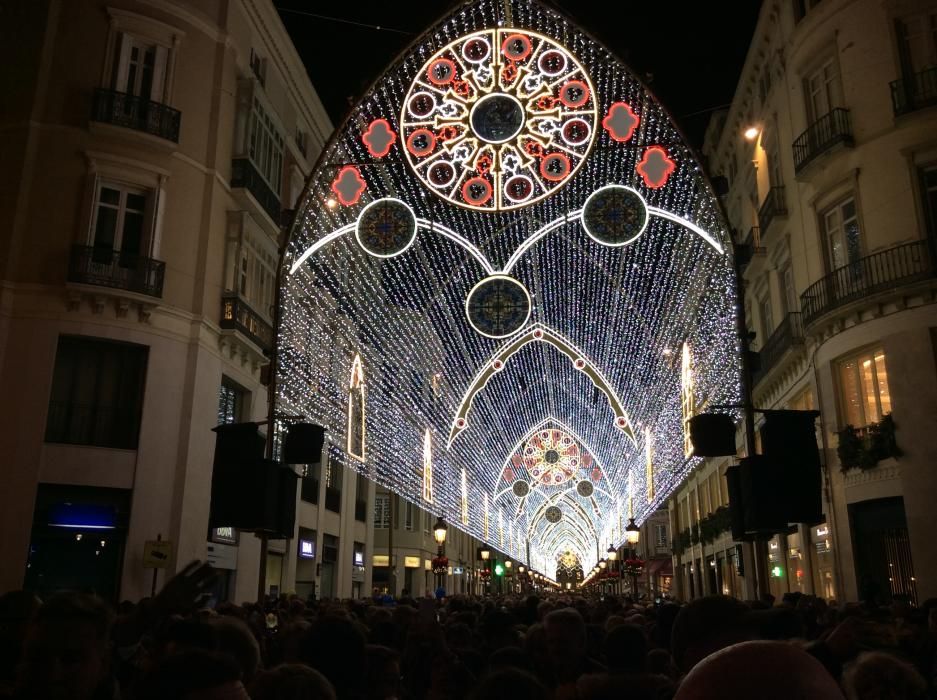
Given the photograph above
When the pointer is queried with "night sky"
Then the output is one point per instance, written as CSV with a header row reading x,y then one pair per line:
x,y
690,53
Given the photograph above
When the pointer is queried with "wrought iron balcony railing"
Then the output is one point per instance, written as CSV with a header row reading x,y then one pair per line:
x,y
916,91
784,337
823,134
106,267
138,113
244,174
237,315
773,207
879,272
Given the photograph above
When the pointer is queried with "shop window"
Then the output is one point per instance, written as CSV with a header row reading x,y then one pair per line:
x,y
863,386
97,393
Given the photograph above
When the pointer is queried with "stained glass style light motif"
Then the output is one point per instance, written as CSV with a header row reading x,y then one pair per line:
x,y
552,457
500,197
498,119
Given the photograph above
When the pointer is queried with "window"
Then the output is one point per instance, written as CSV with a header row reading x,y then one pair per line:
x,y
661,538
382,511
121,223
140,68
309,488
863,384
917,43
774,166
259,67
929,196
767,318
802,7
824,90
256,274
408,516
232,400
789,292
333,474
358,554
301,141
97,393
266,147
840,225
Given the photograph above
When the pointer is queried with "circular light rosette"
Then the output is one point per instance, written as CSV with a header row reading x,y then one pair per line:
x,y
615,215
498,306
520,488
552,457
498,119
386,228
553,514
585,488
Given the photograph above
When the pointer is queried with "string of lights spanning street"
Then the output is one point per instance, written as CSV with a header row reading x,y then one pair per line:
x,y
510,145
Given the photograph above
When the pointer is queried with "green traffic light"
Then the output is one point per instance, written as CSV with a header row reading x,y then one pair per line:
x,y
499,570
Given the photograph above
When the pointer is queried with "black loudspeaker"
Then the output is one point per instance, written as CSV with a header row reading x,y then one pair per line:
x,y
712,435
238,449
302,443
789,441
763,494
736,504
249,492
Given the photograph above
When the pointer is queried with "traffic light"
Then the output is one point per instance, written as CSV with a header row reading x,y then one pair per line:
x,y
499,569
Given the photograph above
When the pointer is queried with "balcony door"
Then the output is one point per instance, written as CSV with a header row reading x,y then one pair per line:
x,y
140,69
824,91
120,228
841,231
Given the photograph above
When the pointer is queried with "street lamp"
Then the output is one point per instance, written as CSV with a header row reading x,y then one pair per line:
x,y
612,557
440,563
632,537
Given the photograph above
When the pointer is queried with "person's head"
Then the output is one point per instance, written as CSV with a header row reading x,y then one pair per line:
x,y
510,684
759,669
707,625
660,663
233,637
67,648
16,610
292,682
335,646
625,649
880,676
383,666
565,632
195,674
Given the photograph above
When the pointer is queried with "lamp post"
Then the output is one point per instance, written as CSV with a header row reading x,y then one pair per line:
x,y
612,560
485,554
632,537
521,577
440,564
508,574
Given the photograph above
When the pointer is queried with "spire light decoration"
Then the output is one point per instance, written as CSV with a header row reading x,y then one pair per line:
x,y
481,189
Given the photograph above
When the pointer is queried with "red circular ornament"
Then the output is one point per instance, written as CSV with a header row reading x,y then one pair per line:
x,y
421,142
476,191
574,94
516,47
441,71
555,167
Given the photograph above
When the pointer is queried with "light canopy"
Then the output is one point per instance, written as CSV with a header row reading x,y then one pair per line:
x,y
447,403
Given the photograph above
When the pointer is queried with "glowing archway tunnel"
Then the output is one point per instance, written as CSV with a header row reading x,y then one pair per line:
x,y
519,248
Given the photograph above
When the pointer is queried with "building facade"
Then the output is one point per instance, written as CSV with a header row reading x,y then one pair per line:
x,y
150,149
830,151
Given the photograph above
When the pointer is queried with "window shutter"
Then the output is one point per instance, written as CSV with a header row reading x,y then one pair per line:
x,y
161,59
122,64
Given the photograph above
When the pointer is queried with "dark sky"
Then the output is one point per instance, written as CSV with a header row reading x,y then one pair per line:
x,y
694,50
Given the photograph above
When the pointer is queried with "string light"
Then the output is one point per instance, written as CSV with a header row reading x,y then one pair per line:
x,y
626,309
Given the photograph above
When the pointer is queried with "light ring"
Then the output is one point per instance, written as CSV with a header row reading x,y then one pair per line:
x,y
396,251
594,235
515,325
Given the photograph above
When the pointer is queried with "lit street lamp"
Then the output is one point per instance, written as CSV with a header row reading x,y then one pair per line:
x,y
440,563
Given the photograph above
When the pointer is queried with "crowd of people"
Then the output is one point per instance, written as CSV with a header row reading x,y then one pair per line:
x,y
519,647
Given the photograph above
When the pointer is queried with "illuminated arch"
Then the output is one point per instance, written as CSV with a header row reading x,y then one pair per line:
x,y
538,332
356,444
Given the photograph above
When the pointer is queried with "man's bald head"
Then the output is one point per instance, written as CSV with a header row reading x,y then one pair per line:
x,y
759,669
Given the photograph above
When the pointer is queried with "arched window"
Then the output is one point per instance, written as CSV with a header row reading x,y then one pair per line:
x,y
687,399
356,441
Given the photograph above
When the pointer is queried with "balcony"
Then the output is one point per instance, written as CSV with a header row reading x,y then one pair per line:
x,y
238,316
827,131
917,91
244,174
786,336
104,267
873,274
137,113
772,208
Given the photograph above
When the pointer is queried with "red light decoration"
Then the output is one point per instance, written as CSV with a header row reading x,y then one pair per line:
x,y
379,138
421,142
516,47
574,94
476,191
620,121
655,167
348,185
441,71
